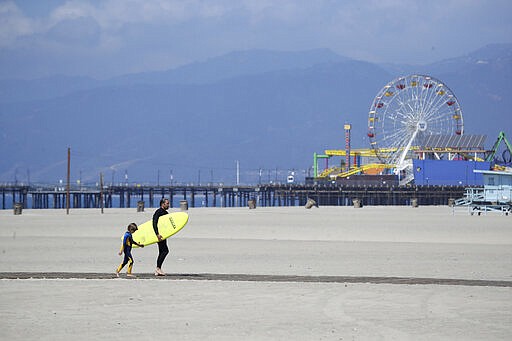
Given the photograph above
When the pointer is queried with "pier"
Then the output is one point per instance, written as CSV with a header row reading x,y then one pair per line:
x,y
126,196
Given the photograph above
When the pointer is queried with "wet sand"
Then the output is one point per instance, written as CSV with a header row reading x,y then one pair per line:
x,y
396,273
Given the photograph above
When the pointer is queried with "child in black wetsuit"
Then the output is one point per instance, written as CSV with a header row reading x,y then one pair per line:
x,y
126,247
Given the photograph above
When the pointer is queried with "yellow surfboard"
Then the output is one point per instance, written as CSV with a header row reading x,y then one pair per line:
x,y
168,225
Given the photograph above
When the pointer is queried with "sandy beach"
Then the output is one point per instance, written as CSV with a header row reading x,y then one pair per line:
x,y
233,246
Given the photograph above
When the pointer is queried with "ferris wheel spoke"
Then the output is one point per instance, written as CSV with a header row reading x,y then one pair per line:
x,y
441,117
396,138
435,106
388,143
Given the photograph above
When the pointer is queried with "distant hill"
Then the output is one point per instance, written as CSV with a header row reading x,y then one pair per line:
x,y
234,64
21,90
268,110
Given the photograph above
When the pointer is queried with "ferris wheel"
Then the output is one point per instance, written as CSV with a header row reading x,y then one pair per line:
x,y
406,111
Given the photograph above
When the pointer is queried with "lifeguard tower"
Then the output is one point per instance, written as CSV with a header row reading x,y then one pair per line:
x,y
495,196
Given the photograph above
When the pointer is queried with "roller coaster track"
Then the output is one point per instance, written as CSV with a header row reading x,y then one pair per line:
x,y
328,171
361,169
367,152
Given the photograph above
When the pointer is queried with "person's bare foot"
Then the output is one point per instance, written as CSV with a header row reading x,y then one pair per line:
x,y
159,272
130,275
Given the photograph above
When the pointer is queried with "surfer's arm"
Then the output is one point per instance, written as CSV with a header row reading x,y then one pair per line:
x,y
122,249
157,215
155,222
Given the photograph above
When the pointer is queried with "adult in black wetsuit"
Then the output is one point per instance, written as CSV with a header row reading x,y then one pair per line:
x,y
163,250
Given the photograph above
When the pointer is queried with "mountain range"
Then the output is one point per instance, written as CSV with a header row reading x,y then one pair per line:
x,y
265,111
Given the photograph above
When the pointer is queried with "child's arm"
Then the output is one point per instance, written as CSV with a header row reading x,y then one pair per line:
x,y
122,249
134,242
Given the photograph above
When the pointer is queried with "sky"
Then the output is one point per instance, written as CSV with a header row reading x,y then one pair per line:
x,y
104,39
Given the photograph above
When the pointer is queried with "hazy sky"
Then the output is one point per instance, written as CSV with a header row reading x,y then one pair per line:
x,y
106,38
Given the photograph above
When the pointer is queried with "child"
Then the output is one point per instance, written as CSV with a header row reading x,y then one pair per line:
x,y
126,247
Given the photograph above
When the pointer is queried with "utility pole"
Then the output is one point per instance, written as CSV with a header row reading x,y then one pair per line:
x,y
67,186
101,192
237,172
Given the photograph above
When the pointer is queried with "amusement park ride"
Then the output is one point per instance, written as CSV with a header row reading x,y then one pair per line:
x,y
415,117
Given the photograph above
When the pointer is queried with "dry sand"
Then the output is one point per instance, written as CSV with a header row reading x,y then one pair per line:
x,y
384,242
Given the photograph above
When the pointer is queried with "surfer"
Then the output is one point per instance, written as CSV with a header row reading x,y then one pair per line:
x,y
163,250
126,247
